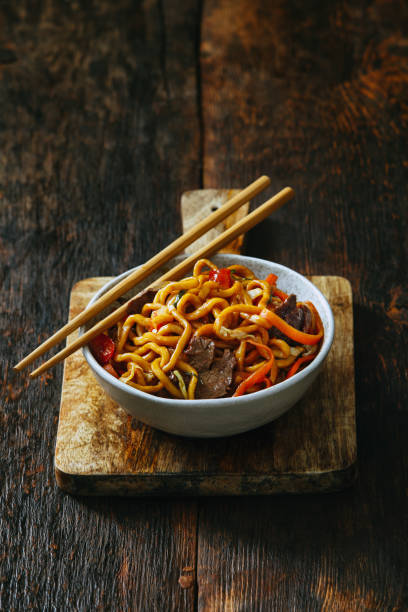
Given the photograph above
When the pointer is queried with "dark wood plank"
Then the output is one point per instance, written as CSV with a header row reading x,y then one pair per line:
x,y
98,138
315,95
99,135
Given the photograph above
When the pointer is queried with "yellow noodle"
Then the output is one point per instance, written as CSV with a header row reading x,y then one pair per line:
x,y
185,300
205,330
282,348
205,308
174,288
184,338
132,371
150,307
266,291
202,263
241,271
254,367
127,326
284,363
234,290
186,367
152,343
153,337
240,354
147,388
274,372
205,289
133,357
182,384
162,351
170,328
158,372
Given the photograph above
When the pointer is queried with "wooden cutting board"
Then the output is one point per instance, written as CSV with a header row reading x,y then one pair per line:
x,y
101,450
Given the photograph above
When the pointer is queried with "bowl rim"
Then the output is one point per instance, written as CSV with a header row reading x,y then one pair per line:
x,y
222,401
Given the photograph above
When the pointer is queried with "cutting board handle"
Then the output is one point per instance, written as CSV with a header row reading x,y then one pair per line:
x,y
196,205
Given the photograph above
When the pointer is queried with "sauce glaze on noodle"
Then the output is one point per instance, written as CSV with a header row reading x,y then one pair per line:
x,y
218,333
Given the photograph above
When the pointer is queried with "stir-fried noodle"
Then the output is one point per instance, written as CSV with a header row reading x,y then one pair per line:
x,y
218,333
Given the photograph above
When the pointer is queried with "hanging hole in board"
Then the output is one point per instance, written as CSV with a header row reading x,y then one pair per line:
x,y
214,208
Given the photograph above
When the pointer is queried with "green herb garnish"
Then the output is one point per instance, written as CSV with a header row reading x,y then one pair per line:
x,y
178,298
237,277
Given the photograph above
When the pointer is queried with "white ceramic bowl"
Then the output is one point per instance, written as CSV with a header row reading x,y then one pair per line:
x,y
211,418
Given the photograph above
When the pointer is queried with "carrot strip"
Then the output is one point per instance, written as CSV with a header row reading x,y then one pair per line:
x,y
271,279
298,363
273,320
280,294
258,375
318,320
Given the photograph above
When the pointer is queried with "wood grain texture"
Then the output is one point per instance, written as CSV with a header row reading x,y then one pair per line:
x,y
198,204
109,112
316,97
95,99
101,450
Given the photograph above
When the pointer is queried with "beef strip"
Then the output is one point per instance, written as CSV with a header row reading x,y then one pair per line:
x,y
215,382
214,373
298,317
113,333
289,312
307,323
144,297
200,352
184,375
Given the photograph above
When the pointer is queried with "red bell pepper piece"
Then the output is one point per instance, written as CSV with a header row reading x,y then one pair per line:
x,y
109,368
222,277
102,348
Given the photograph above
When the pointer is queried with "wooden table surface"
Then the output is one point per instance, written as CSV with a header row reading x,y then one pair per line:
x,y
109,111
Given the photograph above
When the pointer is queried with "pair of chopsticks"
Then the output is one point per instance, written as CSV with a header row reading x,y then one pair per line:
x,y
156,262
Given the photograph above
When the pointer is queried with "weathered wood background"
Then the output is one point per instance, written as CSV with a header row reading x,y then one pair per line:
x,y
109,111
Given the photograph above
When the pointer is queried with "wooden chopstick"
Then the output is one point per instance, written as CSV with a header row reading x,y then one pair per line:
x,y
147,268
179,270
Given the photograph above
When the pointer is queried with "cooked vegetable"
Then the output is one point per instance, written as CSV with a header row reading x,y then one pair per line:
x,y
102,348
218,333
221,276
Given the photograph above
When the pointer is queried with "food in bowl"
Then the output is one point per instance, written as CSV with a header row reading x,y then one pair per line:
x,y
224,416
221,332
